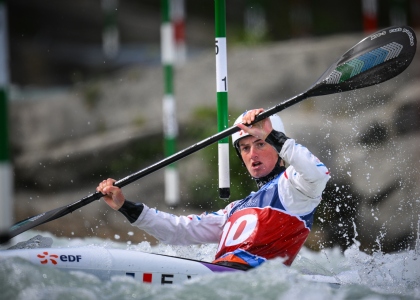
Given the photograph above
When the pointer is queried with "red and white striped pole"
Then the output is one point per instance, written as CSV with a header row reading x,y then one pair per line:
x,y
178,20
370,15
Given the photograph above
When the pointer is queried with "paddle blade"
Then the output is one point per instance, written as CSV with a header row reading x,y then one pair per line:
x,y
377,58
48,216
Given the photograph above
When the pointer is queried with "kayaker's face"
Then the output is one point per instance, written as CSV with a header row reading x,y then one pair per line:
x,y
259,157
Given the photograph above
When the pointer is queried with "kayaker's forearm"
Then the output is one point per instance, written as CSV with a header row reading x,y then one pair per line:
x,y
181,230
131,210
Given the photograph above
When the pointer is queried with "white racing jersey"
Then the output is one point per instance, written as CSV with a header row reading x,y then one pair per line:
x,y
272,222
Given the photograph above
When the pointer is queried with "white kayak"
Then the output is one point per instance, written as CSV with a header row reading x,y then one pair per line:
x,y
105,263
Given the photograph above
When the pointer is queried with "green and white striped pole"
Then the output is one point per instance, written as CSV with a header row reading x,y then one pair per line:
x,y
170,125
6,182
222,96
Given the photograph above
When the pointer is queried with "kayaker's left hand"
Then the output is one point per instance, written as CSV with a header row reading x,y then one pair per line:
x,y
113,195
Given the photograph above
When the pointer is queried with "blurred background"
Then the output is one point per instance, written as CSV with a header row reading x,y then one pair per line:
x,y
59,44
82,88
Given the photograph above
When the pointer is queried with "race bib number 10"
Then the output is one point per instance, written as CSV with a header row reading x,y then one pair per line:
x,y
238,231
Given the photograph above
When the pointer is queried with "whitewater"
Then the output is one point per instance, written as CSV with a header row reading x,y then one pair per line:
x,y
360,276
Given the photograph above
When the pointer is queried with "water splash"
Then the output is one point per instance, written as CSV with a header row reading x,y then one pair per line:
x,y
361,276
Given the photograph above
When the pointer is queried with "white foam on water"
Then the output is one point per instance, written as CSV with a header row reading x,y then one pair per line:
x,y
360,276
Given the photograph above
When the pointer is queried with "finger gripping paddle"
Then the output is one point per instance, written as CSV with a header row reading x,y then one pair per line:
x,y
377,58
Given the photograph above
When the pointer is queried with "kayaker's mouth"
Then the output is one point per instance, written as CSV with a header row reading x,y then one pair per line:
x,y
256,164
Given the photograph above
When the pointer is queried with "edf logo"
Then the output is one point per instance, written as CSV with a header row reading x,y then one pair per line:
x,y
70,258
52,258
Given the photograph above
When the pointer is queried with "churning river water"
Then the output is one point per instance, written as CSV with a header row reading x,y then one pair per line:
x,y
361,276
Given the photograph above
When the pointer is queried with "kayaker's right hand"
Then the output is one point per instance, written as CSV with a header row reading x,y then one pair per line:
x,y
113,195
260,129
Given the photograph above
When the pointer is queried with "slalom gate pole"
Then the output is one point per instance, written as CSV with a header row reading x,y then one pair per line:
x,y
6,182
222,97
170,125
110,34
398,12
370,15
178,21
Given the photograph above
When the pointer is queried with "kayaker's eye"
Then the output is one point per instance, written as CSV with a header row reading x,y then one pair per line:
x,y
245,149
259,145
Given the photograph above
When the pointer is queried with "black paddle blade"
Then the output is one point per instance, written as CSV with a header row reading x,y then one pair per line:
x,y
48,216
377,58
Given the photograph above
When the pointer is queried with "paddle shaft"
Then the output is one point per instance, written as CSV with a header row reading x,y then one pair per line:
x,y
204,143
51,215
